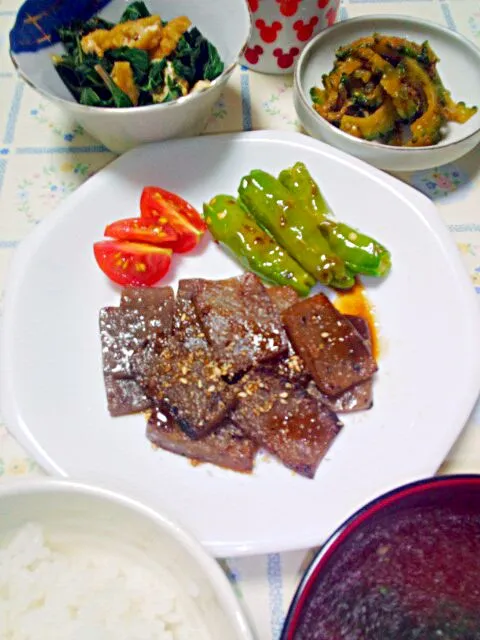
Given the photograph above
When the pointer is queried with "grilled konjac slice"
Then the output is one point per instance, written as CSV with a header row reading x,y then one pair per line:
x,y
333,351
125,396
285,420
188,384
122,332
282,296
241,323
156,304
186,325
127,329
360,396
226,446
291,366
361,325
292,369
151,301
129,336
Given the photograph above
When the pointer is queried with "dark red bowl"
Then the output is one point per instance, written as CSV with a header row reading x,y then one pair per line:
x,y
427,535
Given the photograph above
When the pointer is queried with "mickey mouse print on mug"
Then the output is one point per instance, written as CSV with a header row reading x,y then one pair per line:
x,y
281,29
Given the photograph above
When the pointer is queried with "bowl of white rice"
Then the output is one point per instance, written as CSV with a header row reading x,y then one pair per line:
x,y
83,563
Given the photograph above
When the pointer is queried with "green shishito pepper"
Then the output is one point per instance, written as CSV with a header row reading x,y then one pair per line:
x,y
277,211
298,181
360,253
230,224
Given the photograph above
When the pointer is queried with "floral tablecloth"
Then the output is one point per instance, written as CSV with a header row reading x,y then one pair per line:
x,y
44,157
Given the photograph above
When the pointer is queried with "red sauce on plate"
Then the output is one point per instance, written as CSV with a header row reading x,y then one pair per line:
x,y
355,302
413,576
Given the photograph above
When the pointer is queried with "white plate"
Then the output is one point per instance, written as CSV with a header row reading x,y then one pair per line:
x,y
51,375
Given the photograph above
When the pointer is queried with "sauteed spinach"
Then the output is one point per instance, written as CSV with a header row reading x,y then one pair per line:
x,y
139,61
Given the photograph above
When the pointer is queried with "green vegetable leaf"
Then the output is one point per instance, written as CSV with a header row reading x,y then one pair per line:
x,y
155,80
144,98
71,34
69,77
91,98
345,81
120,98
184,69
138,59
427,56
71,41
317,95
76,77
214,66
134,11
171,91
194,59
95,23
69,38
174,90
87,74
184,58
172,94
193,38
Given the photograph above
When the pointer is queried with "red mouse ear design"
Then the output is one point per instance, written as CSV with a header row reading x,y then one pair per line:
x,y
258,49
260,24
331,15
277,52
294,51
298,25
276,25
313,21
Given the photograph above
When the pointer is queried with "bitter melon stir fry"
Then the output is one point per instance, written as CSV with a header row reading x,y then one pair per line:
x,y
388,89
139,61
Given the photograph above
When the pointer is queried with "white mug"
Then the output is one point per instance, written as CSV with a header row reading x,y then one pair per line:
x,y
280,30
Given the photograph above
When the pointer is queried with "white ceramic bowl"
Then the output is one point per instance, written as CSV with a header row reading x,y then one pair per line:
x,y
69,511
226,23
459,68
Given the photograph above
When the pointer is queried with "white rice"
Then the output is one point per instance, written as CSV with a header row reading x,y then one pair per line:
x,y
48,592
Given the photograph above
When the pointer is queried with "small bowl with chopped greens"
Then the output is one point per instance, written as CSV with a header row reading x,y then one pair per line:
x,y
400,93
133,72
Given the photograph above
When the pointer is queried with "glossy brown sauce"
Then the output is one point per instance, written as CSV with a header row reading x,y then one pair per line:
x,y
355,302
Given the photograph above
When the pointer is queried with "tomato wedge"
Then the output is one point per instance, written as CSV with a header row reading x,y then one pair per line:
x,y
132,263
163,201
154,232
158,203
